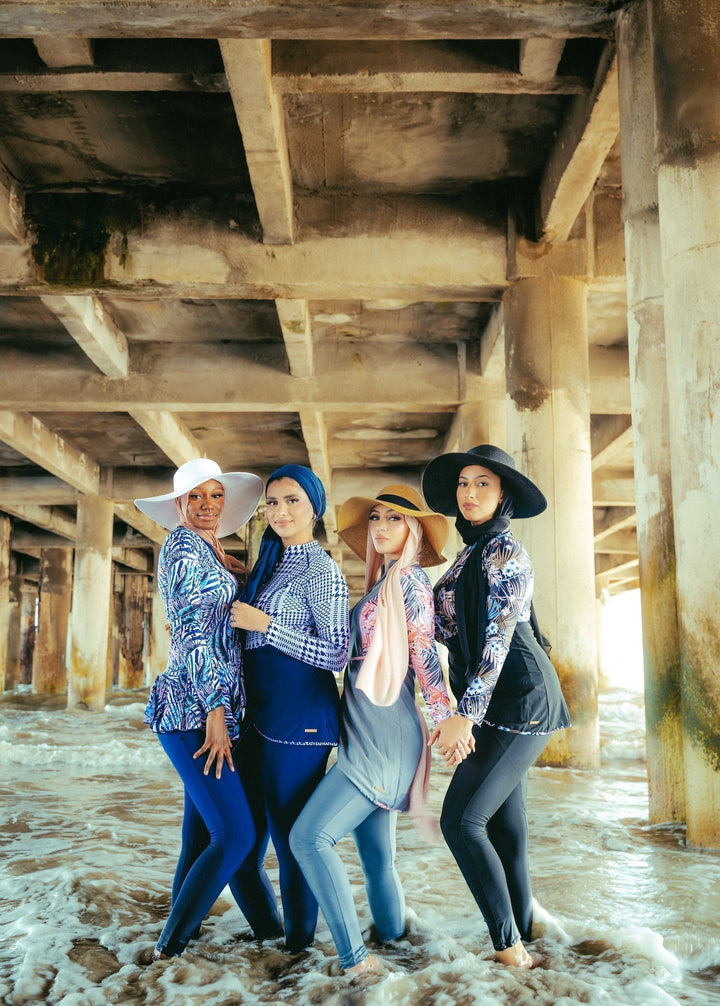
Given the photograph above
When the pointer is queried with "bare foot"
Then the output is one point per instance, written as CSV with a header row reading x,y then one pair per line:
x,y
371,966
516,957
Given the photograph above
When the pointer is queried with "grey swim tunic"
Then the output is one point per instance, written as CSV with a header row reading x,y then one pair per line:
x,y
380,746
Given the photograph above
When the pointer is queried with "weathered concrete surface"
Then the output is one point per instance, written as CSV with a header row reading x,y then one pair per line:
x,y
690,225
49,674
131,670
5,558
687,78
549,436
652,454
372,19
90,622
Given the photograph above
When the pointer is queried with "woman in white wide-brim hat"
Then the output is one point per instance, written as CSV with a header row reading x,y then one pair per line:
x,y
383,756
196,704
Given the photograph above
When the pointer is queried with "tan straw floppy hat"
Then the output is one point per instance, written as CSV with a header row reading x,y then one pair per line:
x,y
354,513
242,495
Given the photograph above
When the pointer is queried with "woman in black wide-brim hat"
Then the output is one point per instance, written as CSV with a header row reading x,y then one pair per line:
x,y
508,694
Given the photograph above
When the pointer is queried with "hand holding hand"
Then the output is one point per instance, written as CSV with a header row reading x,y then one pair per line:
x,y
244,616
217,743
453,738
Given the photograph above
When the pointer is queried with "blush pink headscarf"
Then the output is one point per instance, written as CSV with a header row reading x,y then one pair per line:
x,y
385,664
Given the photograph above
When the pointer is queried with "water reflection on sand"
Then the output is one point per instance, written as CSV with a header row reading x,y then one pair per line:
x,y
90,815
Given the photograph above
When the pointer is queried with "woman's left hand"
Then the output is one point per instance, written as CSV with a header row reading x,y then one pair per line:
x,y
453,738
244,616
217,743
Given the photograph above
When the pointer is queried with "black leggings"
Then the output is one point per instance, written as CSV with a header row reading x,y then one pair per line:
x,y
484,822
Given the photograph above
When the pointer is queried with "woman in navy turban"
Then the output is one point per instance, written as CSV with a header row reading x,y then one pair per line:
x,y
294,611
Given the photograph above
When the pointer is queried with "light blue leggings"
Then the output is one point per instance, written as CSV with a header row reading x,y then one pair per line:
x,y
335,809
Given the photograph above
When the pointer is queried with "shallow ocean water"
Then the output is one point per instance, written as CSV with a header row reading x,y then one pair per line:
x,y
90,814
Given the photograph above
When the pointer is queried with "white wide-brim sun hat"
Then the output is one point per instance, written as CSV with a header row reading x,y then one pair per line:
x,y
243,491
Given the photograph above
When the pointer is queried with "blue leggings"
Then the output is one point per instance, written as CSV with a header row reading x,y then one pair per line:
x,y
484,822
278,779
218,833
337,808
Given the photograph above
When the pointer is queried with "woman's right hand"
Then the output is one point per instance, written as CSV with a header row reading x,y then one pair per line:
x,y
217,743
245,616
453,738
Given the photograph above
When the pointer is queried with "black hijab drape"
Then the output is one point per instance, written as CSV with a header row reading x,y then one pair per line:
x,y
471,590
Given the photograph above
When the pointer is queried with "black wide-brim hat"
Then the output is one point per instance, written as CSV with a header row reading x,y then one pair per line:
x,y
440,479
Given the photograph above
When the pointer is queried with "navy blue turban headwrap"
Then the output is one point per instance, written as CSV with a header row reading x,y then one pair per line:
x,y
271,544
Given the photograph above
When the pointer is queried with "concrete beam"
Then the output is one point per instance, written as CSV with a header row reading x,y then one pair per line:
x,y
613,489
619,543
492,347
540,57
35,441
305,19
24,540
611,437
175,378
609,380
612,519
67,50
248,68
133,559
119,81
294,317
315,436
89,323
586,136
616,565
411,67
129,513
172,378
46,518
408,248
43,490
169,433
12,226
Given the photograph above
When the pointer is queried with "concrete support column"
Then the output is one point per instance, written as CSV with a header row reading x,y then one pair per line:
x,y
651,430
5,528
49,674
159,633
549,437
14,636
482,422
132,631
92,585
687,94
28,603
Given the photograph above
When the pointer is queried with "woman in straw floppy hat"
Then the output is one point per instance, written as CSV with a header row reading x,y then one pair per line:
x,y
508,693
383,755
196,704
294,611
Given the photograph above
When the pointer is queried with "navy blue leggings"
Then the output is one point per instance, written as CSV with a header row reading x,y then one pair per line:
x,y
278,779
484,822
218,833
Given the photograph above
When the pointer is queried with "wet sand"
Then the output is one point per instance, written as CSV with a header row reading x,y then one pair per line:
x,y
90,814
